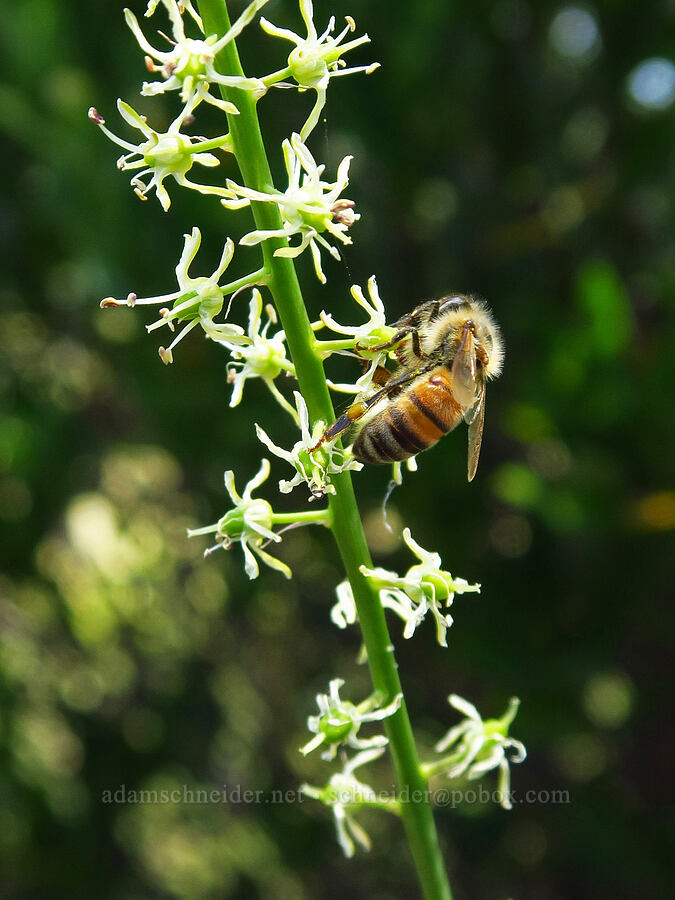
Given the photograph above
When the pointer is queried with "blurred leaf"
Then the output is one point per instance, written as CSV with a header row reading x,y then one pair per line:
x,y
601,296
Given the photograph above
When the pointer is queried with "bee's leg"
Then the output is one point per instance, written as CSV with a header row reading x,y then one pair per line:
x,y
357,410
353,414
482,356
381,375
342,423
397,338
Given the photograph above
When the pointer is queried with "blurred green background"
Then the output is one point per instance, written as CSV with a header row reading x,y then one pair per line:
x,y
520,150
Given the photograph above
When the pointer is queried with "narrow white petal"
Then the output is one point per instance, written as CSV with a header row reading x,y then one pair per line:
x,y
261,475
490,762
230,488
463,706
250,563
274,563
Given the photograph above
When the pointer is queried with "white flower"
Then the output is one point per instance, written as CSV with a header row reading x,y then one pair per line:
x,y
345,794
313,465
375,330
481,746
188,66
309,206
343,613
196,302
262,357
372,333
424,588
163,154
316,58
339,721
249,524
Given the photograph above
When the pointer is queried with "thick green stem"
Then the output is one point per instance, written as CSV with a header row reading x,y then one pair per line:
x,y
250,153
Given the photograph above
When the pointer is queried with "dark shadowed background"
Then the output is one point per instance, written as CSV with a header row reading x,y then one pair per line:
x,y
519,150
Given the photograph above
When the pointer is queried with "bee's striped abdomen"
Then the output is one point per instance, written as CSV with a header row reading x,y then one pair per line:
x,y
413,422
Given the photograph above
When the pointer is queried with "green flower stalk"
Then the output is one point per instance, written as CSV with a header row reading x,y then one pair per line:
x,y
313,213
346,525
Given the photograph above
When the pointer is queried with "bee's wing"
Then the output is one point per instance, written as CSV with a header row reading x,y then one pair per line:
x,y
475,419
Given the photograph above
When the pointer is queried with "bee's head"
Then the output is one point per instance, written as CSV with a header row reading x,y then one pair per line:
x,y
458,313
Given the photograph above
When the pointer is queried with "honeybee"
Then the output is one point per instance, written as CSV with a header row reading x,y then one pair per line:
x,y
447,350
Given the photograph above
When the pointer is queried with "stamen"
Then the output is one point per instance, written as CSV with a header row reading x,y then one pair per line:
x,y
95,116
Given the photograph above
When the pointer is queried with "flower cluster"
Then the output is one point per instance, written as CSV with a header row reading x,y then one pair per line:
x,y
163,154
262,356
313,464
478,746
316,59
196,302
248,523
423,589
339,721
346,795
188,66
309,206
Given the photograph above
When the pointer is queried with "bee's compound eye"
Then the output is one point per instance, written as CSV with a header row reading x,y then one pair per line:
x,y
455,302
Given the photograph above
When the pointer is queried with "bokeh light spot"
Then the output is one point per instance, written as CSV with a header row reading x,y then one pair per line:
x,y
435,201
656,511
581,756
381,538
574,34
549,458
651,84
526,842
511,536
518,485
608,699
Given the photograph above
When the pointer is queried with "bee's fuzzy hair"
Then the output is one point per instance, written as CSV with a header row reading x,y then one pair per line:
x,y
454,316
